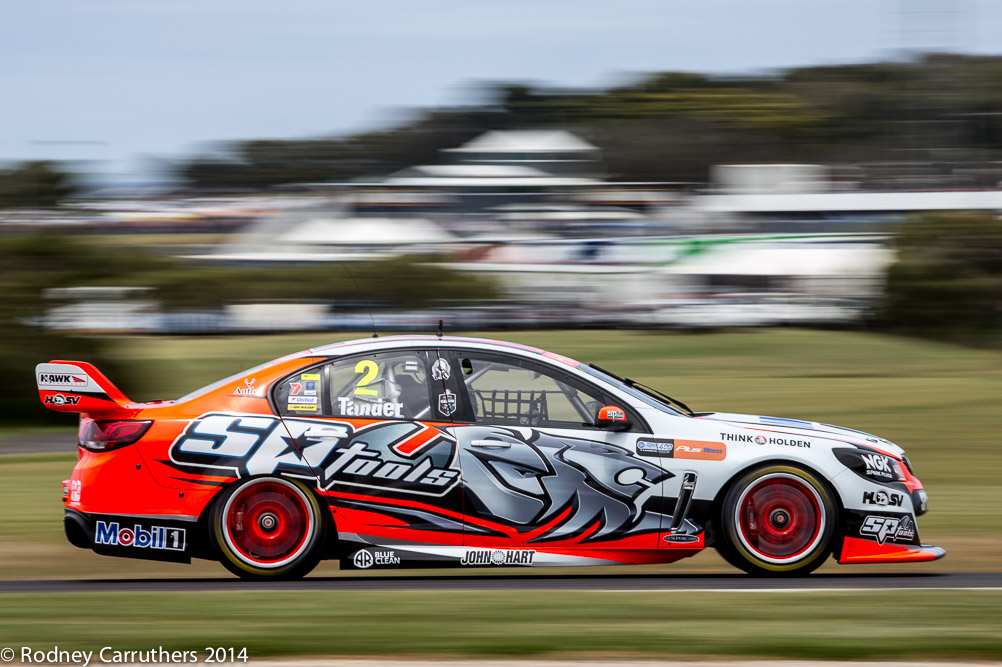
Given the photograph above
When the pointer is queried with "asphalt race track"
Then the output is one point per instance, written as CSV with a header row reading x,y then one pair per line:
x,y
634,583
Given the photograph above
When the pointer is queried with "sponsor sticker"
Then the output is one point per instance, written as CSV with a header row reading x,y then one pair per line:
x,y
441,370
498,557
765,440
303,400
447,403
697,449
349,407
883,498
156,537
295,388
59,399
259,445
63,379
649,446
311,388
366,558
300,406
76,490
309,376
681,539
248,388
888,529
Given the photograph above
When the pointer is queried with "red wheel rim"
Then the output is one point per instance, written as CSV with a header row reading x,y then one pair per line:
x,y
268,523
780,517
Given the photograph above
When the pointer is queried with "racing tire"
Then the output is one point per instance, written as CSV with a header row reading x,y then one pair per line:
x,y
268,528
777,520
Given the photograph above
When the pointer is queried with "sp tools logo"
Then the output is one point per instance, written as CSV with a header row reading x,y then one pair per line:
x,y
156,537
406,457
886,528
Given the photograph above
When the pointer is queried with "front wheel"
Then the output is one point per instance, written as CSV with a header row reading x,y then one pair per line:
x,y
268,528
777,520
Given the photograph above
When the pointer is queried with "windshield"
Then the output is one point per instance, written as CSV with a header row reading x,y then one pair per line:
x,y
652,401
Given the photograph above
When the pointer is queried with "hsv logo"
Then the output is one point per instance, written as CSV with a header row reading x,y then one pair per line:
x,y
62,379
157,537
59,399
883,498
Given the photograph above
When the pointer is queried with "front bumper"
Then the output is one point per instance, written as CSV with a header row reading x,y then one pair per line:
x,y
858,550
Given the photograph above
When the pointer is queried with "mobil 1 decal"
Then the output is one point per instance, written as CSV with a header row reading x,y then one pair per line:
x,y
404,457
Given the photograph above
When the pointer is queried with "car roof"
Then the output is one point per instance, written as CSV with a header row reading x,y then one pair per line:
x,y
335,349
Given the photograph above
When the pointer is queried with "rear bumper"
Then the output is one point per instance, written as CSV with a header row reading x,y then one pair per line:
x,y
857,550
148,537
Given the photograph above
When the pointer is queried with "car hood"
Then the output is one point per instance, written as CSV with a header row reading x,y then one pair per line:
x,y
800,427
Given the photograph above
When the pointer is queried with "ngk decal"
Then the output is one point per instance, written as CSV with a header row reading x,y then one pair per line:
x,y
878,466
886,528
154,537
402,456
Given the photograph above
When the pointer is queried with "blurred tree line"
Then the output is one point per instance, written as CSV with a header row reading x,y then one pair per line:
x,y
34,185
947,280
32,264
673,126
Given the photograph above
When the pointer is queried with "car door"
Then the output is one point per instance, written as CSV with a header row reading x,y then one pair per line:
x,y
382,455
537,471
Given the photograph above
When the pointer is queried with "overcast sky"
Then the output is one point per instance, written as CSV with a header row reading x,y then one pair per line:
x,y
161,77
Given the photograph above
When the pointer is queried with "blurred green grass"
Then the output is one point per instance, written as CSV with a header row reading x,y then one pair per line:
x,y
941,402
899,625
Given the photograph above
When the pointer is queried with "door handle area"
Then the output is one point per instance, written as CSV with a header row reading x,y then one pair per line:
x,y
490,444
326,432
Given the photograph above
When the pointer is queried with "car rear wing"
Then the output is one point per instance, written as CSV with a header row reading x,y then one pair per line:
x,y
76,386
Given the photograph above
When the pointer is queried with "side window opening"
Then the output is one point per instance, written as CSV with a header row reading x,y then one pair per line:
x,y
391,385
505,390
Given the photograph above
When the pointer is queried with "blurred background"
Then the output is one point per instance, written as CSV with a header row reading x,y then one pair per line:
x,y
770,207
173,169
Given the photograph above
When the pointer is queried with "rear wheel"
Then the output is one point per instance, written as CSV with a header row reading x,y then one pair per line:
x,y
268,528
777,520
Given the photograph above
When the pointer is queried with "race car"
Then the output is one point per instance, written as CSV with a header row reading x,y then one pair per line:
x,y
438,451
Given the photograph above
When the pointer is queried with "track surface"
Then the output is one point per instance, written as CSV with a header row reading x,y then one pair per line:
x,y
736,582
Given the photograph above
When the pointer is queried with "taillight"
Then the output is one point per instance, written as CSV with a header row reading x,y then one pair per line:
x,y
104,436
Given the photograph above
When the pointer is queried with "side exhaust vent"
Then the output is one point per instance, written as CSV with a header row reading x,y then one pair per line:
x,y
684,500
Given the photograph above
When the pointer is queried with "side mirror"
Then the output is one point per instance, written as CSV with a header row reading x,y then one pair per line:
x,y
612,418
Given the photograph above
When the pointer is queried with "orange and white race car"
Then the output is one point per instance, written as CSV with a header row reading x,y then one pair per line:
x,y
420,451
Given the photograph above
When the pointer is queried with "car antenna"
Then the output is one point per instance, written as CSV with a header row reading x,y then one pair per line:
x,y
372,320
439,332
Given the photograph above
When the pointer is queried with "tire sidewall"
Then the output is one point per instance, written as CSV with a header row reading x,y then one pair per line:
x,y
735,551
298,566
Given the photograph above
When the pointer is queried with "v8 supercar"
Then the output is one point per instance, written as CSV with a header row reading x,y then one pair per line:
x,y
418,451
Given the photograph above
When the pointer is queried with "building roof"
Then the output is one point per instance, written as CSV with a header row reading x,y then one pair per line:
x,y
525,141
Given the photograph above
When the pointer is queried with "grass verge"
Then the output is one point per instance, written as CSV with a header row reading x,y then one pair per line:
x,y
882,625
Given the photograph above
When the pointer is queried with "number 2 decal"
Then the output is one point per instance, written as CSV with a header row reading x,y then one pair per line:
x,y
371,370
